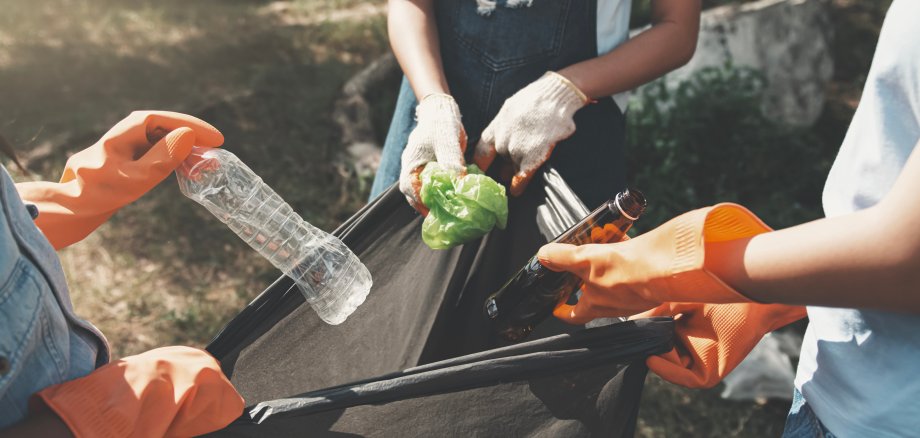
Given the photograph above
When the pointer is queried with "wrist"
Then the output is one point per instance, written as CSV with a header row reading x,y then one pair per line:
x,y
725,260
569,86
436,95
437,106
429,87
690,272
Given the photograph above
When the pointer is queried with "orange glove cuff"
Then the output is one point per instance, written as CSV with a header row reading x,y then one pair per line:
x,y
171,391
682,241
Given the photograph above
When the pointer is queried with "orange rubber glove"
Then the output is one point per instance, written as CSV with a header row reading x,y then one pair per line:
x,y
712,339
129,160
667,264
167,392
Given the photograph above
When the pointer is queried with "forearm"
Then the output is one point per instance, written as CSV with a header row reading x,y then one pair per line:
x,y
837,262
669,44
867,259
414,38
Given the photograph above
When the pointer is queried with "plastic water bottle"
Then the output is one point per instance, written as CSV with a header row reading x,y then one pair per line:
x,y
331,278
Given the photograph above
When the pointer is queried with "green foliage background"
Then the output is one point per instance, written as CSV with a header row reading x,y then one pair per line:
x,y
708,141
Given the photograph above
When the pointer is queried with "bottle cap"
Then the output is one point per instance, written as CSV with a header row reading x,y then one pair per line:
x,y
198,160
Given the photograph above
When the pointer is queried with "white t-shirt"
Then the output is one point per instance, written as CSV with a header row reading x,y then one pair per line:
x,y
860,369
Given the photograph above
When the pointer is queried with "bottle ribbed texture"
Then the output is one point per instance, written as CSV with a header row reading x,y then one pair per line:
x,y
332,279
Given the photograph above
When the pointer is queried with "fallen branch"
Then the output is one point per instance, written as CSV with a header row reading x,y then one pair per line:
x,y
353,114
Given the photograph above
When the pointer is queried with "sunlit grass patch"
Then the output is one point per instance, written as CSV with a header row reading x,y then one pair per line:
x,y
163,271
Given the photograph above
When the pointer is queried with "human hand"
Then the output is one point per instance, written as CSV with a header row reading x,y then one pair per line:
x,y
667,264
606,291
438,136
131,158
170,391
712,339
529,125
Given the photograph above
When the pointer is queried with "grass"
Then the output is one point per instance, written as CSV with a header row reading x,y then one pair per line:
x,y
671,411
163,271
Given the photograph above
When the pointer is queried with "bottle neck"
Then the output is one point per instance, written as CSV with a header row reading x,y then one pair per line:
x,y
585,230
617,204
195,163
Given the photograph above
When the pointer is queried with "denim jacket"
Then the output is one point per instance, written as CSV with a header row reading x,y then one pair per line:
x,y
42,342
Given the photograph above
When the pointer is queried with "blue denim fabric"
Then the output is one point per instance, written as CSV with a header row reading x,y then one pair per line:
x,y
41,342
488,58
397,137
802,421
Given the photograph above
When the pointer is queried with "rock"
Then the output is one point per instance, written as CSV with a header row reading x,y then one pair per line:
x,y
787,40
766,373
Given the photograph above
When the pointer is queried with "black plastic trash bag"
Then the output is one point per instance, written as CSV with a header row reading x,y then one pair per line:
x,y
418,358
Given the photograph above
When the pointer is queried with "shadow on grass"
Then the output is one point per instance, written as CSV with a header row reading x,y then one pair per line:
x,y
163,270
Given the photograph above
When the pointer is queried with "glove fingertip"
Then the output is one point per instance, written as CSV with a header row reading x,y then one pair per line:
x,y
520,181
206,134
563,313
574,314
417,205
178,143
463,139
678,374
410,184
555,256
484,155
210,139
455,164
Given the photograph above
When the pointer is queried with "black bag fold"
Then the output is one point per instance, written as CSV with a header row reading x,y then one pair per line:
x,y
418,358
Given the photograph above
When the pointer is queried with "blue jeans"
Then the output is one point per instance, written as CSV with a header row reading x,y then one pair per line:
x,y
802,421
42,342
488,59
395,143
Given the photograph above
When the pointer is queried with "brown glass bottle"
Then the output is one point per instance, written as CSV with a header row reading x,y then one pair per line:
x,y
530,296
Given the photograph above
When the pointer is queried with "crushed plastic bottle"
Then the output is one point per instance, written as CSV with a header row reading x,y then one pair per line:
x,y
331,278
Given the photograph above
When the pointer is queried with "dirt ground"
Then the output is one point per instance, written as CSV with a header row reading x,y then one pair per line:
x,y
163,271
266,73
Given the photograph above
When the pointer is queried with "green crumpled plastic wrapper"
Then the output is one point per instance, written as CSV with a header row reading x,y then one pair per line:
x,y
461,208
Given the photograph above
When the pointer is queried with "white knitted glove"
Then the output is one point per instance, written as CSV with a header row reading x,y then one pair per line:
x,y
438,136
529,125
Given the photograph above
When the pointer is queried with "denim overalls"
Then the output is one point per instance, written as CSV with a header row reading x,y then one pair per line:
x,y
488,58
42,342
